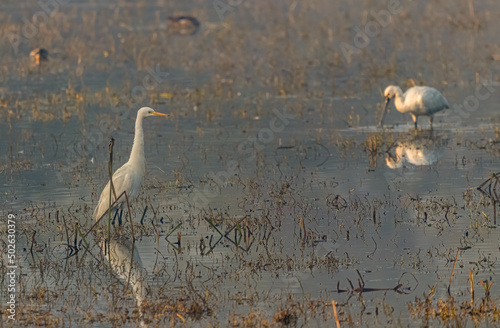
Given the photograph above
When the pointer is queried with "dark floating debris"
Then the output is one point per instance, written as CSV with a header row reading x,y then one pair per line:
x,y
406,285
184,25
39,55
489,189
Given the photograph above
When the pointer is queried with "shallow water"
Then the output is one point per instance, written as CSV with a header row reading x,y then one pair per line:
x,y
273,141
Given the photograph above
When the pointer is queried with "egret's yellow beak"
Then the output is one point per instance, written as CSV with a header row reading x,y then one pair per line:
x,y
159,114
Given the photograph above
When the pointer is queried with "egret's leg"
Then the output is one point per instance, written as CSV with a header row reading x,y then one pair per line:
x,y
115,216
431,118
120,217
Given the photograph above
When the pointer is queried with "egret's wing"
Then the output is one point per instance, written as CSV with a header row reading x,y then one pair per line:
x,y
122,181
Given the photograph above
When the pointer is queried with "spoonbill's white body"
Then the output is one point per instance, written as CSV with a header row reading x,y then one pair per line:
x,y
417,101
128,178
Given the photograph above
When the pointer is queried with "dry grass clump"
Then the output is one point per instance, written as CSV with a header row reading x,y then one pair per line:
x,y
449,311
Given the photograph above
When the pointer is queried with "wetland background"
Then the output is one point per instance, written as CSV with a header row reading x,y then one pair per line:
x,y
270,192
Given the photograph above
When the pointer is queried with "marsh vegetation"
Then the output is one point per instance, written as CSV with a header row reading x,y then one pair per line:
x,y
270,192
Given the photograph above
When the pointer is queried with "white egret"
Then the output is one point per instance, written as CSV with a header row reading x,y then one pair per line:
x,y
128,178
416,101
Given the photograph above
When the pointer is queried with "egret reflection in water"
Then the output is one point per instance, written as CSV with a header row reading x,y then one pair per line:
x,y
126,262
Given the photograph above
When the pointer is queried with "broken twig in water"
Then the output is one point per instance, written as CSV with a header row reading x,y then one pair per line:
x,y
453,270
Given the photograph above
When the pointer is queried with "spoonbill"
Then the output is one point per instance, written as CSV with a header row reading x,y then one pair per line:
x,y
184,25
128,177
417,101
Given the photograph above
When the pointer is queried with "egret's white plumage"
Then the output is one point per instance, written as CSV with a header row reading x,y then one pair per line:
x,y
416,101
128,178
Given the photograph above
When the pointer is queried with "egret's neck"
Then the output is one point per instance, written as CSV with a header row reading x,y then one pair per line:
x,y
137,154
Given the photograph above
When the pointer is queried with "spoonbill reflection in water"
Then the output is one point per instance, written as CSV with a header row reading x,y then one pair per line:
x,y
417,101
420,150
